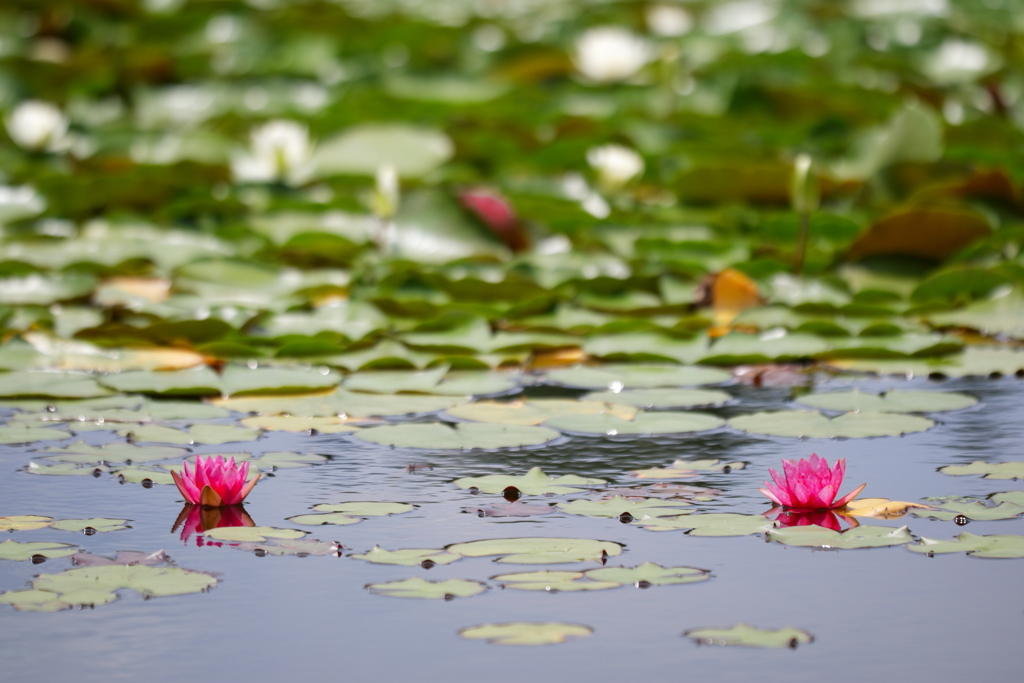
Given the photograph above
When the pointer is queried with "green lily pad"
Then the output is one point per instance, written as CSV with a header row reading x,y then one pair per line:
x,y
64,469
283,460
712,524
974,510
814,536
13,550
149,581
526,633
684,469
619,377
412,151
49,385
892,402
81,452
100,524
533,483
48,601
235,381
341,403
408,557
12,434
539,550
647,347
995,470
461,436
811,424
552,581
251,534
365,508
750,636
650,574
428,590
646,424
618,506
1002,547
534,412
335,518
140,475
974,361
24,522
660,399
201,434
314,425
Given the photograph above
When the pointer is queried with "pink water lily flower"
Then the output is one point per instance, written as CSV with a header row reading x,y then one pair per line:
x,y
214,481
809,484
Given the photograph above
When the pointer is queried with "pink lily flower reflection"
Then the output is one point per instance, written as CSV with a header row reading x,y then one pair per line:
x,y
828,519
214,482
809,484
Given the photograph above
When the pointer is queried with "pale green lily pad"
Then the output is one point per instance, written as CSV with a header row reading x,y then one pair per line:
x,y
235,381
396,381
341,403
996,470
361,150
251,534
618,506
462,436
974,510
684,469
181,410
139,475
526,633
49,385
64,469
552,581
539,550
81,452
811,424
814,536
299,547
20,552
650,574
619,377
891,402
750,636
645,424
533,483
712,524
428,590
27,433
149,581
408,557
100,524
201,434
647,347
24,522
312,425
37,601
336,519
365,508
974,361
1000,547
282,460
535,411
661,399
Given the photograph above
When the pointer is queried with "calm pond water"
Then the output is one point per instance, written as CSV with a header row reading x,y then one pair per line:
x,y
875,614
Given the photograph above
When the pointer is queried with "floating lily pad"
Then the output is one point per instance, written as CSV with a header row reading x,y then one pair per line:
x,y
341,403
750,636
298,547
712,524
428,590
974,361
140,475
365,508
462,436
24,522
49,601
117,452
149,581
682,469
513,509
335,518
878,508
1002,547
811,424
408,557
661,399
619,506
282,460
49,385
123,557
533,483
251,534
649,574
892,402
536,411
814,536
645,424
201,434
65,469
312,425
539,550
976,511
619,377
526,633
235,381
12,434
14,550
96,524
996,470
552,581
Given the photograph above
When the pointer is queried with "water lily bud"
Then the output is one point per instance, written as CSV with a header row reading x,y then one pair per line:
x,y
804,193
386,195
279,151
610,53
615,165
37,126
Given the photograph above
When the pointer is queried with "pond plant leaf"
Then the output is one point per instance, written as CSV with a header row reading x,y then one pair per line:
x,y
140,475
17,433
365,508
123,557
49,385
858,537
526,633
619,506
539,550
15,550
65,469
896,401
335,518
750,636
661,399
96,524
147,580
408,557
24,522
552,581
684,469
462,436
995,470
533,483
976,511
614,377
878,508
644,424
234,381
999,547
284,460
116,452
251,534
428,590
201,434
711,524
649,574
510,509
536,411
341,403
311,425
811,424
297,547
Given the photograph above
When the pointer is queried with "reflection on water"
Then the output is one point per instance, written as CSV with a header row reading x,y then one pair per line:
x,y
195,519
829,519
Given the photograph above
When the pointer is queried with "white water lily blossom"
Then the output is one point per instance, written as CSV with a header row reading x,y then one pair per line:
x,y
610,53
615,165
279,150
38,126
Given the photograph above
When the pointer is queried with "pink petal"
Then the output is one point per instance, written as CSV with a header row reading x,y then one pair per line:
x,y
848,497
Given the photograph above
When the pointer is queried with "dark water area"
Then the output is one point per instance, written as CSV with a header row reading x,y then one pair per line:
x,y
884,613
